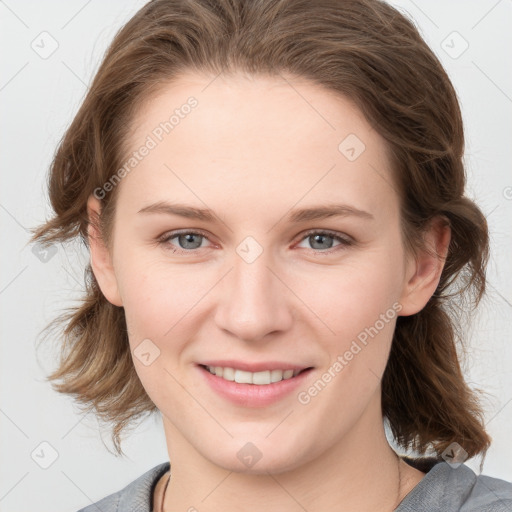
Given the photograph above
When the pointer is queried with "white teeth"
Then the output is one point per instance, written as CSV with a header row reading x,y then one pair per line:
x,y
258,378
276,375
287,374
243,377
226,373
262,378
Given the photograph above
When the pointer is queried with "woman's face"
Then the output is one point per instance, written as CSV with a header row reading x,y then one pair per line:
x,y
258,231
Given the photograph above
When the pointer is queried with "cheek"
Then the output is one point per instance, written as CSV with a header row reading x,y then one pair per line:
x,y
165,304
157,296
352,297
159,305
361,308
359,304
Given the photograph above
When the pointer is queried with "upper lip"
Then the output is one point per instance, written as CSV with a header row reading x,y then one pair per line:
x,y
254,367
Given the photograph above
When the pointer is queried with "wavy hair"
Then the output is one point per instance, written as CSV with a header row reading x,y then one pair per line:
x,y
364,50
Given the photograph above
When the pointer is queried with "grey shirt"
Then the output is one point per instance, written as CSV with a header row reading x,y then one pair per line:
x,y
443,489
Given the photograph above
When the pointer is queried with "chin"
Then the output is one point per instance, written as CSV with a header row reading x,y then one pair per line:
x,y
263,466
259,456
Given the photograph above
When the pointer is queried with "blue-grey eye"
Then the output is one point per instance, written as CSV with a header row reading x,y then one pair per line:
x,y
323,241
189,240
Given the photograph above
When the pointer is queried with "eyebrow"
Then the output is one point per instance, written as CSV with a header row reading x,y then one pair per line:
x,y
298,215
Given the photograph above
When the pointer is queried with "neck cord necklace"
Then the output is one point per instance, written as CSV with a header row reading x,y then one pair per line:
x,y
165,490
394,507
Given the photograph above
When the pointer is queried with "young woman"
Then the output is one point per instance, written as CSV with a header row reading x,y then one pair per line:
x,y
272,193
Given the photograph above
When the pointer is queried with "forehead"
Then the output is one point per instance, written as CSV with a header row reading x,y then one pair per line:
x,y
268,109
265,136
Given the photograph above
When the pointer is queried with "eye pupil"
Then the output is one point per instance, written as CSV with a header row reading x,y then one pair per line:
x,y
188,239
319,239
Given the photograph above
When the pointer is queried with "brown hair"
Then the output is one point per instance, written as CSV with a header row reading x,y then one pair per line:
x,y
364,50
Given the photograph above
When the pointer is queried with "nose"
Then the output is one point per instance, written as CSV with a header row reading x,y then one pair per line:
x,y
253,301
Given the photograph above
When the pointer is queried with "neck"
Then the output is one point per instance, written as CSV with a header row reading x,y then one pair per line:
x,y
360,472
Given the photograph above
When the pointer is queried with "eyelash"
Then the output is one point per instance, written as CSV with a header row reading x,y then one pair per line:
x,y
344,240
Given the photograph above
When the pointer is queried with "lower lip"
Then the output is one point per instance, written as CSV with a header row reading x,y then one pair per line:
x,y
253,395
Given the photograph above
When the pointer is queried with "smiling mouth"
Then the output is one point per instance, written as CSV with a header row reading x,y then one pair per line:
x,y
258,378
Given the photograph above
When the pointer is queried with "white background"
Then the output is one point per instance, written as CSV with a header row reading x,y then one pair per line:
x,y
38,98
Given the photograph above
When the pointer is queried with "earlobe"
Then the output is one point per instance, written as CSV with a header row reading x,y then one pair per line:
x,y
424,270
101,260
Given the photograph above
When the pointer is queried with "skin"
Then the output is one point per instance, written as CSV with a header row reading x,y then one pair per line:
x,y
251,151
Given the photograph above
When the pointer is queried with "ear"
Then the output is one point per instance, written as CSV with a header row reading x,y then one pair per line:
x,y
423,269
101,260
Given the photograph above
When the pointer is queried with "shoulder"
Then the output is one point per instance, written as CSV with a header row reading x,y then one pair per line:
x,y
445,489
135,497
488,494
